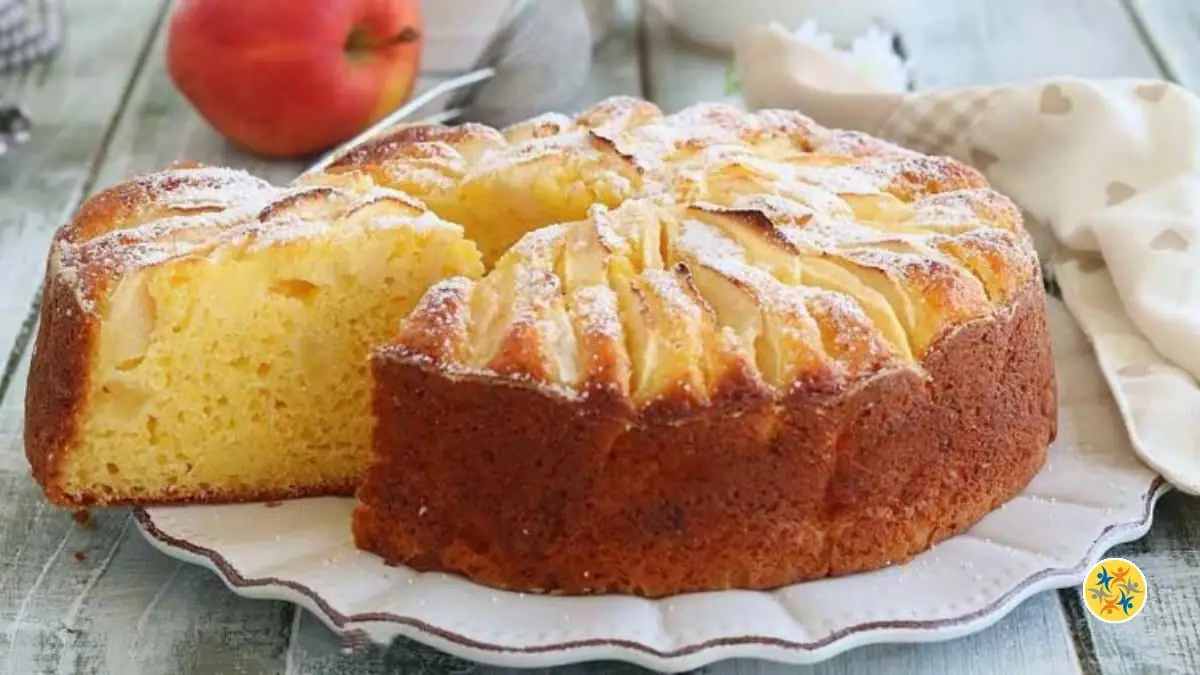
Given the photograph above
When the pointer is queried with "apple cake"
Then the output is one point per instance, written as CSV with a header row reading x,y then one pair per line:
x,y
749,351
619,351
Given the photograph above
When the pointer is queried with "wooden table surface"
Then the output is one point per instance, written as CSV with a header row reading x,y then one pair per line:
x,y
100,600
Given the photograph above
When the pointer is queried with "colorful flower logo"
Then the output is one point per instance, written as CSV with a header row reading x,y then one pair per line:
x,y
1115,590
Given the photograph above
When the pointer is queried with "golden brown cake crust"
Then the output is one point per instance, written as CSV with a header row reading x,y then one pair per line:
x,y
59,369
519,489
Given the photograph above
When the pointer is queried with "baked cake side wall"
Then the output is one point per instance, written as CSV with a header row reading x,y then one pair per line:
x,y
519,490
57,384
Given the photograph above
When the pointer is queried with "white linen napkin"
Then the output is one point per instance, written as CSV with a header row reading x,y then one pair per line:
x,y
1108,173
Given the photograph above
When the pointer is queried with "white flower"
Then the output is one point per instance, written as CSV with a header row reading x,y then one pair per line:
x,y
870,54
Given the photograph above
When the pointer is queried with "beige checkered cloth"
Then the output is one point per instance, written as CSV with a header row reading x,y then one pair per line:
x,y
1108,174
936,123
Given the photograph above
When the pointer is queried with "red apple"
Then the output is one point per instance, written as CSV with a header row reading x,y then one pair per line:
x,y
286,78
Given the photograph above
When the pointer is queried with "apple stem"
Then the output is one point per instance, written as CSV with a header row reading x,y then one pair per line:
x,y
359,41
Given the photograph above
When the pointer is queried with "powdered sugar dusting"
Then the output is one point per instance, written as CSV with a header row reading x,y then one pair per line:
x,y
596,315
451,290
913,268
596,312
204,187
706,242
841,179
540,248
827,234
675,299
606,234
205,211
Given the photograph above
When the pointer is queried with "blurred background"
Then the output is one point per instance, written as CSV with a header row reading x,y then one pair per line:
x,y
93,91
290,79
195,71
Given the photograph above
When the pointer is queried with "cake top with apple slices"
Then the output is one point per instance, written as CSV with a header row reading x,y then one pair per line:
x,y
670,264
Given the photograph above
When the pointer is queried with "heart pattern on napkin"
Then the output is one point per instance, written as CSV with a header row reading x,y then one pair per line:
x,y
1054,101
1152,93
1169,240
983,159
1119,192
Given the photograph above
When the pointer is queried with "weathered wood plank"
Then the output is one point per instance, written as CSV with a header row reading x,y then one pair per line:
x,y
957,43
73,100
1004,648
315,650
1173,30
1165,636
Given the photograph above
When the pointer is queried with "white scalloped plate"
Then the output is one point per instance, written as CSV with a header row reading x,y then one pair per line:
x,y
1092,494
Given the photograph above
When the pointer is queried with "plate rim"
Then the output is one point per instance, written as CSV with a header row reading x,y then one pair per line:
x,y
685,656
